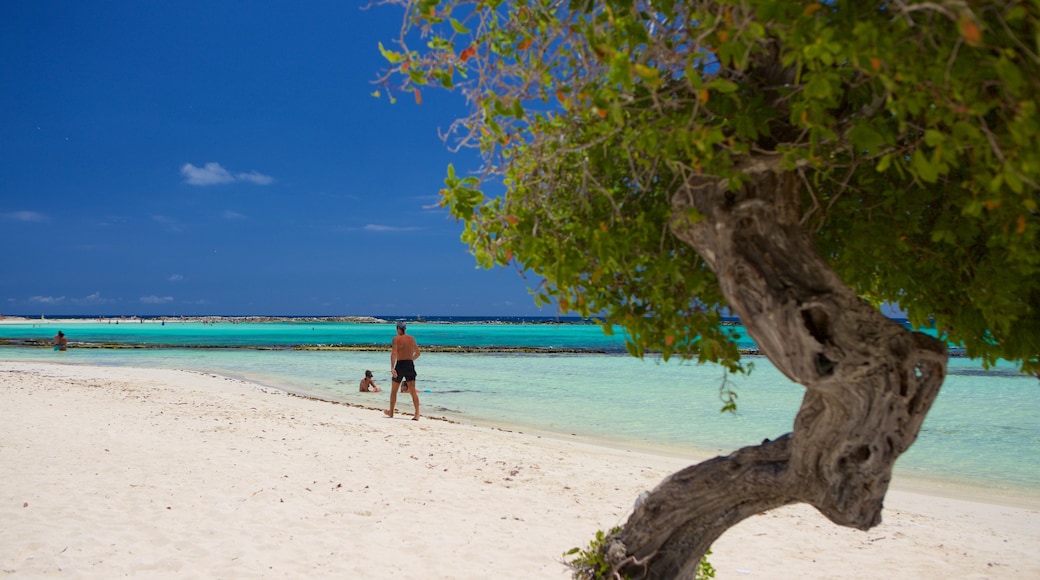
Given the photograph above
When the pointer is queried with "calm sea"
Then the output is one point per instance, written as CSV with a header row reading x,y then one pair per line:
x,y
984,430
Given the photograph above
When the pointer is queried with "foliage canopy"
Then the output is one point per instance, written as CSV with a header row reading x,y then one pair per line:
x,y
912,127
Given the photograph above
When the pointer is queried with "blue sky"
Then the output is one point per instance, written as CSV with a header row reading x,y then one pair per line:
x,y
219,157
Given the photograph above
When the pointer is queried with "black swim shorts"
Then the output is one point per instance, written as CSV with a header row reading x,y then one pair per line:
x,y
405,371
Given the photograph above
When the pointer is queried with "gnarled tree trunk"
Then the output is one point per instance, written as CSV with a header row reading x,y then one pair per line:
x,y
869,384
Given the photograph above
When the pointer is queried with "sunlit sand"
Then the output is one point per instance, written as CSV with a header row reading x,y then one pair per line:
x,y
113,471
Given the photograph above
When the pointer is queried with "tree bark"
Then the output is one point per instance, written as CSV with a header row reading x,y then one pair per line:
x,y
869,384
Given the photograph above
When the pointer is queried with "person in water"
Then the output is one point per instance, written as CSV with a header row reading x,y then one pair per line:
x,y
61,342
403,352
368,385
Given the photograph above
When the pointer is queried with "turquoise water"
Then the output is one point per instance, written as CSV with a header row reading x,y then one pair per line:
x,y
540,335
984,429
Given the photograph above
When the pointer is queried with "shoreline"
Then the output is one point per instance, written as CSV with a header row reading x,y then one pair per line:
x,y
110,471
1020,497
1013,496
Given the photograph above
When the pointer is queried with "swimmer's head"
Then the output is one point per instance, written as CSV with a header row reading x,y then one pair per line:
x,y
401,326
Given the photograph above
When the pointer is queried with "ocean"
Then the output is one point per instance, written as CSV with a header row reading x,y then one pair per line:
x,y
567,379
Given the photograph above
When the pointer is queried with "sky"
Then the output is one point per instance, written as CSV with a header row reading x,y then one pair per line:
x,y
226,158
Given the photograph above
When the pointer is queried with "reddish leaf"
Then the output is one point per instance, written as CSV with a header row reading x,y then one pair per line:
x,y
970,31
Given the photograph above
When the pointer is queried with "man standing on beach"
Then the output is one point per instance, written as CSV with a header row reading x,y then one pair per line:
x,y
403,352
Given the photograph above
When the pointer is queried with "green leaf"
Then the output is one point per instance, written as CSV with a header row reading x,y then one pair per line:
x,y
865,138
933,138
518,109
723,86
458,27
884,163
819,87
390,55
1013,180
965,131
651,76
924,168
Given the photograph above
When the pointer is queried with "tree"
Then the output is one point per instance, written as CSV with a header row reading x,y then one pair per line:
x,y
797,163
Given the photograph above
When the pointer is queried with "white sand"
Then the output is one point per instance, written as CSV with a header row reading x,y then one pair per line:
x,y
109,472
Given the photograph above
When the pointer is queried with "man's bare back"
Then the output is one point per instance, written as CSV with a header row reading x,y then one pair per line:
x,y
404,348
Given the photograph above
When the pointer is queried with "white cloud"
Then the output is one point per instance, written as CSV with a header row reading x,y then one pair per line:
x,y
94,298
25,216
210,174
231,215
382,228
47,299
213,174
175,278
255,177
156,299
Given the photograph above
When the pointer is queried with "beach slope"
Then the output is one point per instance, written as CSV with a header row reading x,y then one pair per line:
x,y
112,471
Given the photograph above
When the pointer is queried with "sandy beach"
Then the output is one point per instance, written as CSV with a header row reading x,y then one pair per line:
x,y
115,471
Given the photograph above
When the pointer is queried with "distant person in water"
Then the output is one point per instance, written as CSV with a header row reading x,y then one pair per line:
x,y
368,385
403,352
60,341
